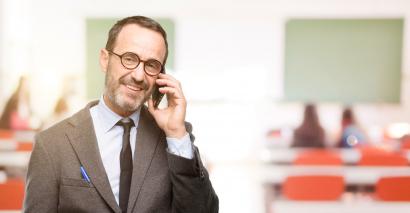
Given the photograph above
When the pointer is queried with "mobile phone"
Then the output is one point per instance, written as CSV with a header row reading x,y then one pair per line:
x,y
156,95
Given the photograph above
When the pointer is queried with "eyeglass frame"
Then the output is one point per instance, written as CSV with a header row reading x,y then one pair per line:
x,y
139,62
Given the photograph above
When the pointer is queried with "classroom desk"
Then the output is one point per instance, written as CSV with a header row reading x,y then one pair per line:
x,y
344,206
8,145
3,176
14,159
353,175
11,144
288,155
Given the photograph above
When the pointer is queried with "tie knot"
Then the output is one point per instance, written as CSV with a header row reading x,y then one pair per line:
x,y
126,123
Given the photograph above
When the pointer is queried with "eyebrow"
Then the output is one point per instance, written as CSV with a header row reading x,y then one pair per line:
x,y
141,57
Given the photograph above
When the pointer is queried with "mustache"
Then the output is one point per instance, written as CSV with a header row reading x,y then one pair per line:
x,y
132,82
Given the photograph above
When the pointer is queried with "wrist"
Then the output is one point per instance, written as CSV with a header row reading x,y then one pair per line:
x,y
176,133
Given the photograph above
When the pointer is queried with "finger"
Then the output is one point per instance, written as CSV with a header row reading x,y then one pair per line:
x,y
168,82
172,79
168,90
167,76
171,92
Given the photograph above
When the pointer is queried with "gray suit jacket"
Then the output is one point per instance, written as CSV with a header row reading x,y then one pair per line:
x,y
161,182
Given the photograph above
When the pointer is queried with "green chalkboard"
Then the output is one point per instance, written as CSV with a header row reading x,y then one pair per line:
x,y
96,38
343,60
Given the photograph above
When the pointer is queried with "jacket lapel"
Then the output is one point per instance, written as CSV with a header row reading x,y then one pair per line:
x,y
83,139
147,140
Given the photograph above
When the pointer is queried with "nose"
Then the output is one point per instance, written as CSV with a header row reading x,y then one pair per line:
x,y
139,73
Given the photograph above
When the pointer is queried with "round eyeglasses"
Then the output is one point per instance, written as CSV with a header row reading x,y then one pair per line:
x,y
131,61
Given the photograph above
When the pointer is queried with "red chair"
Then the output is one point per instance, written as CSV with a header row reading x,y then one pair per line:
x,y
24,146
371,150
319,157
314,187
382,158
393,188
405,143
12,194
6,134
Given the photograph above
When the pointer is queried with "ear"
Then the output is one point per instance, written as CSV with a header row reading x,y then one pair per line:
x,y
104,58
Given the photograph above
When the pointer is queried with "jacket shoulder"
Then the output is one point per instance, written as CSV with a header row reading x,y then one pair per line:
x,y
58,130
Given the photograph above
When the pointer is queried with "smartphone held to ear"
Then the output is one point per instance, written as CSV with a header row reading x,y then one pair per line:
x,y
157,95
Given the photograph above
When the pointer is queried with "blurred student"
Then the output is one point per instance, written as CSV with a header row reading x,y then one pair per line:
x,y
17,112
61,111
310,133
351,134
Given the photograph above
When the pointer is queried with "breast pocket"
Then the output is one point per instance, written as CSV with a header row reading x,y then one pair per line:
x,y
76,182
77,195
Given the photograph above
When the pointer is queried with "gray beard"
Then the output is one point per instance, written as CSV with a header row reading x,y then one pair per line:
x,y
116,99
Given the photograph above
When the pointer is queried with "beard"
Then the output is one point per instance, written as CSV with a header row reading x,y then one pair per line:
x,y
124,101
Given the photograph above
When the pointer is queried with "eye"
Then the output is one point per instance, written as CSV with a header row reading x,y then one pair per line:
x,y
153,64
130,59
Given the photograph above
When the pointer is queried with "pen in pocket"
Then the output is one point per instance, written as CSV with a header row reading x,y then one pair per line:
x,y
84,174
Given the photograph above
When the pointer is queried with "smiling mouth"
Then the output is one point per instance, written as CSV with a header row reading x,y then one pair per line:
x,y
133,88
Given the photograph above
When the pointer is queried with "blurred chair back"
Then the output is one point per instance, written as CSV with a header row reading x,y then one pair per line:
x,y
405,144
6,134
24,146
314,187
393,188
382,158
11,194
318,157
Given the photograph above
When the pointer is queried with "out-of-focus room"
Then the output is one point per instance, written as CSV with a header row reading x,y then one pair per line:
x,y
296,105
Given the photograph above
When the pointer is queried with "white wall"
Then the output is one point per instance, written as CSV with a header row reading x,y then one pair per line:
x,y
229,56
15,43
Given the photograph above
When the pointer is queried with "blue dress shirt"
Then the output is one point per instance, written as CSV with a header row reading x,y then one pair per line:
x,y
109,140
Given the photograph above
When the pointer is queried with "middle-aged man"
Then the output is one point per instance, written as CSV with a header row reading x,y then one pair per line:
x,y
116,154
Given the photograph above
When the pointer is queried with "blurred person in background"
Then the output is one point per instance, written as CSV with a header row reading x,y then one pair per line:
x,y
17,112
310,133
64,105
351,134
60,112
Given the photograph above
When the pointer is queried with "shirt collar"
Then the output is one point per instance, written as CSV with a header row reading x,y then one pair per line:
x,y
110,118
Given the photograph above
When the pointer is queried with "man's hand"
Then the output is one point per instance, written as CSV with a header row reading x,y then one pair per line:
x,y
171,119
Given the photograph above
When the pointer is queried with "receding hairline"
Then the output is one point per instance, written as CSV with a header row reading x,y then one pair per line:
x,y
163,55
141,21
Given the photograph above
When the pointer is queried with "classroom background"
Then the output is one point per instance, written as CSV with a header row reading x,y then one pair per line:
x,y
258,76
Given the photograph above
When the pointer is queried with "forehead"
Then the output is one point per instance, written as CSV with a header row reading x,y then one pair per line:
x,y
143,41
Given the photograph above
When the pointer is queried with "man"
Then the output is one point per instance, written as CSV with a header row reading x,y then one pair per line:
x,y
117,155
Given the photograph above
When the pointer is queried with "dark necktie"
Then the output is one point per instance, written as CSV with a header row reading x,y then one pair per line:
x,y
125,163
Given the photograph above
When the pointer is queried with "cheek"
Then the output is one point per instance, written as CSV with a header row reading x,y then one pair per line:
x,y
151,83
112,79
114,73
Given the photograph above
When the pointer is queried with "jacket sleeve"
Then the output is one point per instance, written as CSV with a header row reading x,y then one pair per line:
x,y
192,190
41,193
